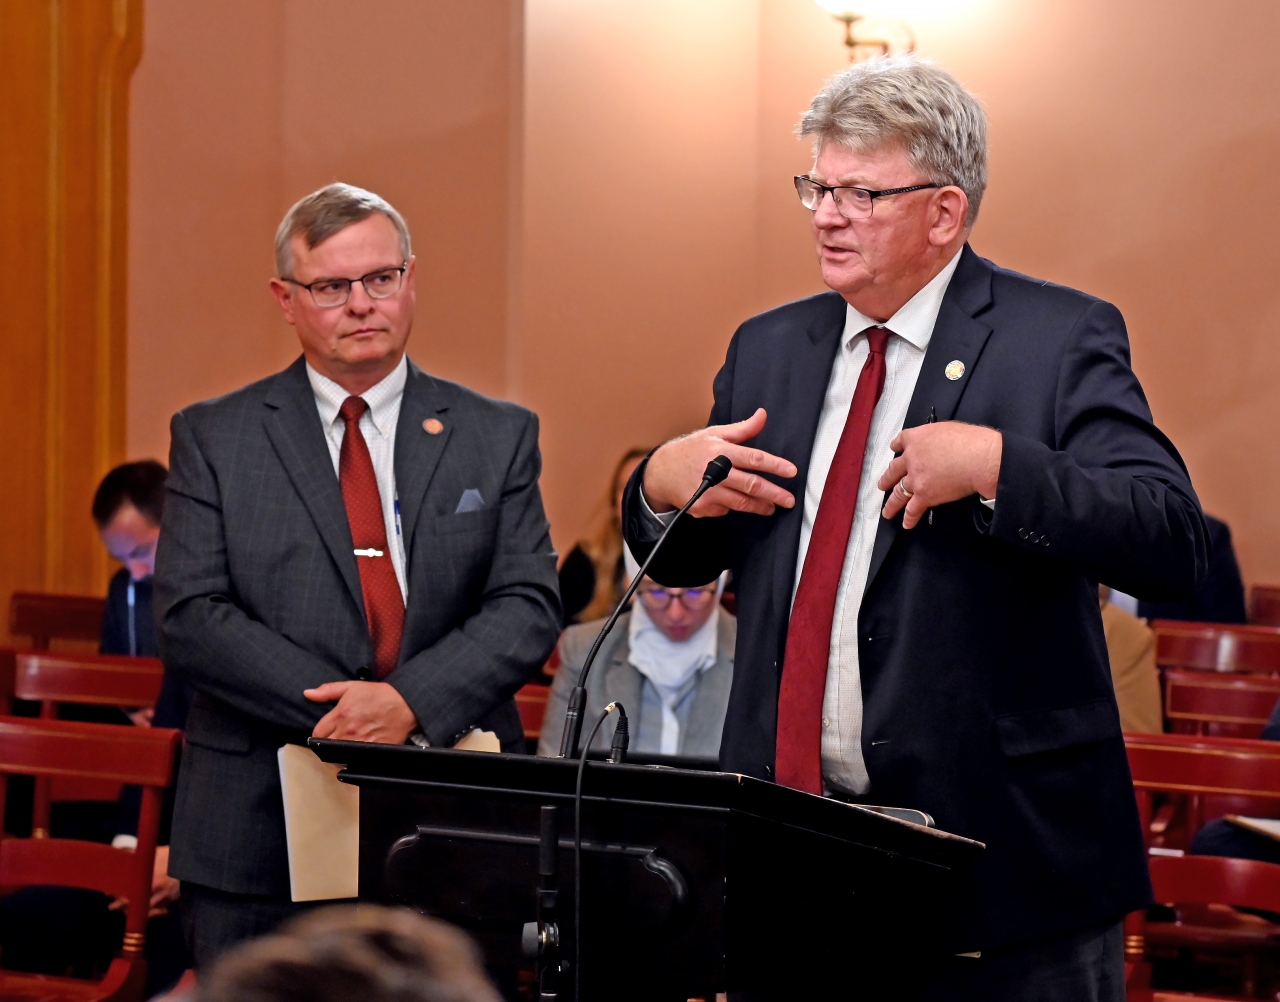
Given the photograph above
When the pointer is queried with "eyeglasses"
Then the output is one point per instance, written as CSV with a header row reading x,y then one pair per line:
x,y
853,203
693,599
331,292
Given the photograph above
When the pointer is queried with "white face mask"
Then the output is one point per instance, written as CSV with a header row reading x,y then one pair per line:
x,y
670,665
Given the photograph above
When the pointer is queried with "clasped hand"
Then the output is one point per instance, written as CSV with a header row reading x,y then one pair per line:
x,y
366,711
940,463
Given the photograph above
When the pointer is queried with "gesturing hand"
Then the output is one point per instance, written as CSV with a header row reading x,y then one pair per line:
x,y
366,711
940,463
675,471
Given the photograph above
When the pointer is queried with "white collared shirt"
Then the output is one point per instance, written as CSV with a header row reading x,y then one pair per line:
x,y
378,425
842,763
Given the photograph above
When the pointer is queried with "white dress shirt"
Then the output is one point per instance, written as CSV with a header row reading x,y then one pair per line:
x,y
378,425
843,767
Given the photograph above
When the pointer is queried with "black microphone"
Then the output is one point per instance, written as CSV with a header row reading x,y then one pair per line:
x,y
716,471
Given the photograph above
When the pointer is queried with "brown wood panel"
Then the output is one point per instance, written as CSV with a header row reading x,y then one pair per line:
x,y
64,79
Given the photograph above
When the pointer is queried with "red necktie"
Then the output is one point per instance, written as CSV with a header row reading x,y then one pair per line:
x,y
804,666
383,603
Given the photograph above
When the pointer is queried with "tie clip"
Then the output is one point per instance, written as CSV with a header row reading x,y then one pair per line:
x,y
368,553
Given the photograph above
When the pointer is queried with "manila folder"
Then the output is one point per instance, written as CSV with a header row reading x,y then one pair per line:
x,y
321,825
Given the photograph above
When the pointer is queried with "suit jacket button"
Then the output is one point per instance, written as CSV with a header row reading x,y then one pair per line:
x,y
768,772
1023,533
364,674
1035,537
1044,540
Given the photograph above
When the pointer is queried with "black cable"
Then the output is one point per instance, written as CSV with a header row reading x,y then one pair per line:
x,y
577,849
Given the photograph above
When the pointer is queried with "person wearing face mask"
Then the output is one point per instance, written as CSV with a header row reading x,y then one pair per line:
x,y
669,662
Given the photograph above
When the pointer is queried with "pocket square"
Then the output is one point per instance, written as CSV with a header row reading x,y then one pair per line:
x,y
471,500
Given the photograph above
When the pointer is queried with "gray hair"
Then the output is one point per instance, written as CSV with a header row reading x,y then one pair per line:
x,y
909,101
323,213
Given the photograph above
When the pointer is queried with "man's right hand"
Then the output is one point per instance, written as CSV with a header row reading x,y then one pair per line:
x,y
675,470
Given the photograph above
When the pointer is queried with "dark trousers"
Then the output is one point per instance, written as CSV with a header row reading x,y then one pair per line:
x,y
1085,966
214,921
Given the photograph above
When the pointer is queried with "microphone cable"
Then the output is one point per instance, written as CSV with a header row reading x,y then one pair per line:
x,y
621,738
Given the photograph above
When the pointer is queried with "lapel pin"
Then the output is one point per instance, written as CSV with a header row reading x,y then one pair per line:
x,y
955,369
433,426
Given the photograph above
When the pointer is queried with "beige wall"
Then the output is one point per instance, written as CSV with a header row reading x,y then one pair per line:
x,y
243,106
651,209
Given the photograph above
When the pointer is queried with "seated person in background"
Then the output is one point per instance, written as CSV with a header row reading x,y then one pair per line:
x,y
342,953
669,661
1131,648
127,508
1220,597
57,930
591,574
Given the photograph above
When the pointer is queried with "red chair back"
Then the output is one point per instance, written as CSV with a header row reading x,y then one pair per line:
x,y
531,701
1238,706
44,617
1207,880
1264,605
96,679
1217,647
141,755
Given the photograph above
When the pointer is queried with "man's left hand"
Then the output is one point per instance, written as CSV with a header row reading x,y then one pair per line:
x,y
940,463
366,711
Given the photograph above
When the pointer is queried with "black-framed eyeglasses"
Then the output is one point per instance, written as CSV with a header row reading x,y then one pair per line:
x,y
852,203
693,599
330,292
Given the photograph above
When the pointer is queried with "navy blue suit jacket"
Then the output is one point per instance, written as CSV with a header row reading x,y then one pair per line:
x,y
987,694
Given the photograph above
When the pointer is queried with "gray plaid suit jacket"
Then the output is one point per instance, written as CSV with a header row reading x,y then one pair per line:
x,y
257,595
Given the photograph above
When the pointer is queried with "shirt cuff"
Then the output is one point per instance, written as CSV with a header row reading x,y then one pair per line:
x,y
991,505
666,518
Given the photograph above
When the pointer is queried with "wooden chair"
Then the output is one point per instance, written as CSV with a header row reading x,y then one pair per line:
x,y
1264,605
95,679
1236,706
140,755
1240,771
46,617
531,701
1217,647
1215,882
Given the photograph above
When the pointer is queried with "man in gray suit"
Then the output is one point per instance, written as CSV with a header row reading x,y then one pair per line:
x,y
351,549
669,662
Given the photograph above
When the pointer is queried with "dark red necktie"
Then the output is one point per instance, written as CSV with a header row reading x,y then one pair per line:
x,y
804,666
383,603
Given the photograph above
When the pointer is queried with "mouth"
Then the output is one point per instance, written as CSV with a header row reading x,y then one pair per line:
x,y
359,331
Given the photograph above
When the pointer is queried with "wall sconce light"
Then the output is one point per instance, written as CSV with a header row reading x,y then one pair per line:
x,y
860,47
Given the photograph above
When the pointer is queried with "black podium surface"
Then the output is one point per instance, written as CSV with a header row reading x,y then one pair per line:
x,y
692,882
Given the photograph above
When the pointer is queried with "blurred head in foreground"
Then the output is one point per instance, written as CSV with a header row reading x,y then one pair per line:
x,y
350,952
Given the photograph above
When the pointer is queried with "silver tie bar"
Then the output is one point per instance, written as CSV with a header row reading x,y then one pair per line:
x,y
368,553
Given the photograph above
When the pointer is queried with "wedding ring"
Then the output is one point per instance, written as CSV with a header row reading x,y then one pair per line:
x,y
902,488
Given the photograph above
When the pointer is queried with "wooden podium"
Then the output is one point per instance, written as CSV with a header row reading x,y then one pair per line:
x,y
692,882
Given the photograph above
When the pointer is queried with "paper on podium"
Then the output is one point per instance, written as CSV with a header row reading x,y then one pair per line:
x,y
322,827
478,740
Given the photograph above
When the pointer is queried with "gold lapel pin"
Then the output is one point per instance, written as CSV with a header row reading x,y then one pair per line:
x,y
432,426
955,369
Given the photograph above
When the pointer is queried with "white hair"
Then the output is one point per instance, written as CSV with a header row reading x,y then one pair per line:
x,y
323,213
903,100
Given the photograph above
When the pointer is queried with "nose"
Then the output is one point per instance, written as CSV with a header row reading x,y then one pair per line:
x,y
359,301
827,215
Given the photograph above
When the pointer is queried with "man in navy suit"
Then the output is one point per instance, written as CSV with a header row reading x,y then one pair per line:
x,y
938,646
351,549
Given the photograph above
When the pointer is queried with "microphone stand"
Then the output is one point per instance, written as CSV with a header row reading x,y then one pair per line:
x,y
716,471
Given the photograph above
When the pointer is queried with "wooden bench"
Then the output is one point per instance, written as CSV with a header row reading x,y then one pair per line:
x,y
1222,705
1217,647
93,679
103,753
1264,605
45,617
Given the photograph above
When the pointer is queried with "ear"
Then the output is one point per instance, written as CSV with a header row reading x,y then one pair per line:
x,y
408,279
950,207
283,293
